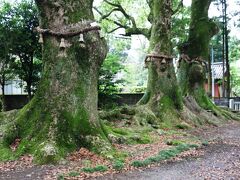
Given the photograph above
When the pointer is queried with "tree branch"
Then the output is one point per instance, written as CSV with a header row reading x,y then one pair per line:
x,y
122,10
108,14
129,30
113,30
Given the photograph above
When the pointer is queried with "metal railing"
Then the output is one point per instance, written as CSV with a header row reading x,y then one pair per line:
x,y
234,105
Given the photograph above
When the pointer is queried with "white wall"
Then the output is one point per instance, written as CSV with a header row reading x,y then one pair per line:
x,y
13,88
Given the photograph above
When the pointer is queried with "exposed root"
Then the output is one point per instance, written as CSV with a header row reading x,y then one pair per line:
x,y
206,112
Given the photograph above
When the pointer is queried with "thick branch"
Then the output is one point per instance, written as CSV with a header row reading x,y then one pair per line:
x,y
121,9
133,30
106,15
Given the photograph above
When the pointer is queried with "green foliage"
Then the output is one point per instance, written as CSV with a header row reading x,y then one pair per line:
x,y
17,23
99,168
109,84
6,153
6,36
138,10
118,165
234,48
26,46
235,80
107,81
180,20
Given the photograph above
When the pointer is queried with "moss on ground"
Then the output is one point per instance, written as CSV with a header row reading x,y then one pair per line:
x,y
7,134
128,135
39,136
99,168
164,155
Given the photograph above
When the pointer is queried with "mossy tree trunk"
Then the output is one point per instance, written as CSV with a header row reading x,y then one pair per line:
x,y
162,95
63,113
193,67
192,72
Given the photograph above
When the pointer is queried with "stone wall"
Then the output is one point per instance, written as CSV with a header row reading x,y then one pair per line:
x,y
15,101
18,101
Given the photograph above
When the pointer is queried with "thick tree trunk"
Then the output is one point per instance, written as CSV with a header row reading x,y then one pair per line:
x,y
193,67
162,95
63,113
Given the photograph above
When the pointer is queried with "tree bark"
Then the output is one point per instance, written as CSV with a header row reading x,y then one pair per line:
x,y
225,29
29,91
162,95
192,72
63,113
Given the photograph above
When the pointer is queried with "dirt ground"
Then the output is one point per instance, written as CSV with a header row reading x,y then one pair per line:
x,y
220,159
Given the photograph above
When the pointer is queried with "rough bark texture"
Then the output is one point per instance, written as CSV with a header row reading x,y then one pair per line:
x,y
193,65
192,74
162,96
63,114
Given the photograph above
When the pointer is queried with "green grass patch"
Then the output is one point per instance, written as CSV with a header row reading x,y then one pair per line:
x,y
118,165
174,142
73,174
205,143
99,168
6,153
60,177
164,155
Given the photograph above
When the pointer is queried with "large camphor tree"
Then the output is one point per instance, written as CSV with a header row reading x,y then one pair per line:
x,y
162,101
163,95
63,114
193,65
